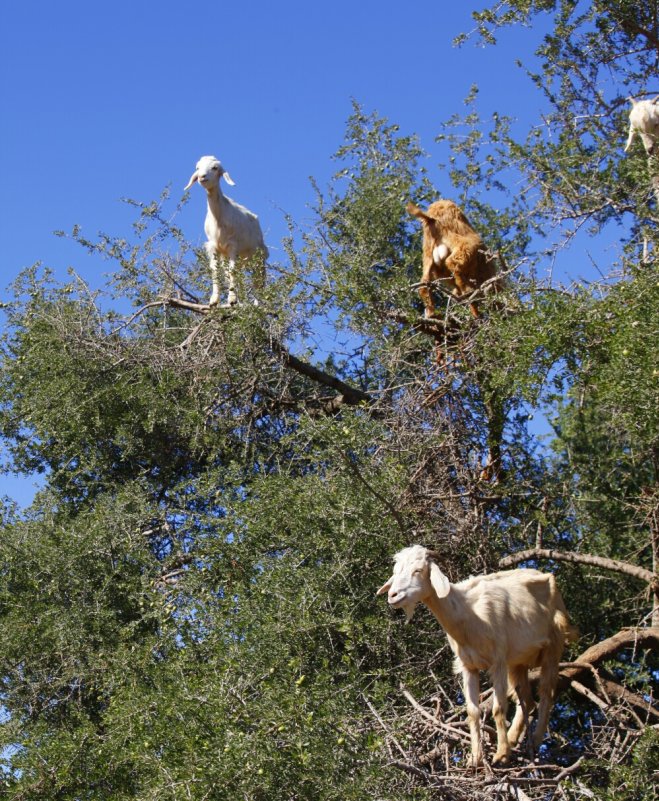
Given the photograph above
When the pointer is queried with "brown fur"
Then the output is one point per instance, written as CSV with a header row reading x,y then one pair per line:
x,y
466,267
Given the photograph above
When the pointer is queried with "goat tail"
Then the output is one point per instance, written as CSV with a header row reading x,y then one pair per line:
x,y
415,211
561,621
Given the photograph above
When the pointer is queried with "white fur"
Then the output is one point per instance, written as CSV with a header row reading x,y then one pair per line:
x,y
644,120
232,231
505,623
439,254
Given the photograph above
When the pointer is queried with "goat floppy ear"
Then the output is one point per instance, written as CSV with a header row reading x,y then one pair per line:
x,y
384,588
228,178
440,583
193,179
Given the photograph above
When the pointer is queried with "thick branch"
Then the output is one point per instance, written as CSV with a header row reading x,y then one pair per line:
x,y
634,29
200,308
645,638
351,395
582,558
348,395
620,693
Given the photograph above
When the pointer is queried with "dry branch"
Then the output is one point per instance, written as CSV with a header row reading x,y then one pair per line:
x,y
350,396
581,558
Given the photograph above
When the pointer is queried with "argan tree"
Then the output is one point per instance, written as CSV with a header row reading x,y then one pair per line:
x,y
188,607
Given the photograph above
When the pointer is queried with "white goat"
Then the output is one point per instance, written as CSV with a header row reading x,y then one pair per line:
x,y
644,120
505,623
233,232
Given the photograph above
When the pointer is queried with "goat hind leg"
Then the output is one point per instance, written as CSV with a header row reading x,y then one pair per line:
x,y
518,681
425,291
546,690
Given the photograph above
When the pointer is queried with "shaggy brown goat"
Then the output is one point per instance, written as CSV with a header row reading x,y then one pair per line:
x,y
452,252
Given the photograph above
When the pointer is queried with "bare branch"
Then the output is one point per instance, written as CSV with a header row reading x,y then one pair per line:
x,y
581,558
350,396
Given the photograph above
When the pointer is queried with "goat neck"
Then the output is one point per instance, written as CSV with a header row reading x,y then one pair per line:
x,y
451,612
216,200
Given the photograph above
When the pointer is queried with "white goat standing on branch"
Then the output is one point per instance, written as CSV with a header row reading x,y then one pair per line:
x,y
232,231
644,120
505,623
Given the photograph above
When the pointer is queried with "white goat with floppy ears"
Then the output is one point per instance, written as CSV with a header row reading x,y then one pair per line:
x,y
644,120
505,623
232,231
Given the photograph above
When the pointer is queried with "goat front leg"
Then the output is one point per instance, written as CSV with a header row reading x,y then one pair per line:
x,y
212,259
425,290
499,709
471,691
232,298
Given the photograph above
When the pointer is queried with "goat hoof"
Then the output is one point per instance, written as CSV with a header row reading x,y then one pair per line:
x,y
501,759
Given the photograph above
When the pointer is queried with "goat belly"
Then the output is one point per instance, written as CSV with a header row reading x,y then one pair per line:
x,y
473,658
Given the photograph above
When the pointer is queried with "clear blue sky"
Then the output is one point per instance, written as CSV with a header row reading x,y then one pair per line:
x,y
108,100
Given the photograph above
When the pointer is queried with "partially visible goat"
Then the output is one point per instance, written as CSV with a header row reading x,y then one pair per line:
x,y
452,252
505,623
644,120
233,232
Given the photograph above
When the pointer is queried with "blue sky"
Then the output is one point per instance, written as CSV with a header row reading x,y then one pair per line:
x,y
104,101
108,100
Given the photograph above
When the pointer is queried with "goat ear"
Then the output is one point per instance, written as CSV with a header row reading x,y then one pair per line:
x,y
193,179
228,178
440,583
384,588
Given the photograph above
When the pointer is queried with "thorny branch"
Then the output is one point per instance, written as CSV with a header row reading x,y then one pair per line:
x,y
446,738
351,396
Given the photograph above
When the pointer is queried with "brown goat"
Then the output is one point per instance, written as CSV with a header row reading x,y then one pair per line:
x,y
452,252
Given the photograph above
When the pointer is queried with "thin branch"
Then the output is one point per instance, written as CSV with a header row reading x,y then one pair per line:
x,y
134,316
390,508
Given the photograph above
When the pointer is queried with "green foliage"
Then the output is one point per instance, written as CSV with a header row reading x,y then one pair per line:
x,y
188,608
635,780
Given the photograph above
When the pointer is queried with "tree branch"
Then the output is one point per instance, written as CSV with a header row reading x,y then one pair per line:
x,y
645,638
633,28
350,396
389,506
581,558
